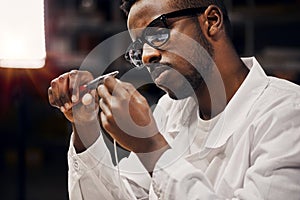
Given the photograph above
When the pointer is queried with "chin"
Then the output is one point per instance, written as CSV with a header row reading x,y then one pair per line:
x,y
179,96
179,93
181,87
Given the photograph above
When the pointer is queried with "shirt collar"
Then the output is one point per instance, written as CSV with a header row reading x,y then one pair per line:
x,y
240,104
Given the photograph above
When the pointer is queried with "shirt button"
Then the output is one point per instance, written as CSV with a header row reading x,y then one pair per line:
x,y
76,165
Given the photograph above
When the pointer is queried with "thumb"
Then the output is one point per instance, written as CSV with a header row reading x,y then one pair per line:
x,y
90,104
87,99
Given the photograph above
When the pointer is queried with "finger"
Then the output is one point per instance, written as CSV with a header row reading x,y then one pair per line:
x,y
95,95
132,91
55,93
63,84
104,122
104,93
91,108
90,102
78,78
51,98
115,87
105,109
129,87
73,85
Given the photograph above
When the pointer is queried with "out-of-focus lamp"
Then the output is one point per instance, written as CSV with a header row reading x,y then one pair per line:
x,y
22,45
22,34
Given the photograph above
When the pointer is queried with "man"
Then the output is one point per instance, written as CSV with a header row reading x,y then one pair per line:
x,y
224,130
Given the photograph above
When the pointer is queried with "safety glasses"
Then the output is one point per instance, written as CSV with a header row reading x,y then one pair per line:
x,y
156,34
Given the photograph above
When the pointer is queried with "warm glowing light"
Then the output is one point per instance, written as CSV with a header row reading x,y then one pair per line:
x,y
22,34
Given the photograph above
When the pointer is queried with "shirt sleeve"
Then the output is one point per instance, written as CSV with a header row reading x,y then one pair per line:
x,y
175,178
273,172
92,175
275,156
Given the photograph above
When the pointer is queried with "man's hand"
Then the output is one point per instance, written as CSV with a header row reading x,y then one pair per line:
x,y
81,112
127,117
64,94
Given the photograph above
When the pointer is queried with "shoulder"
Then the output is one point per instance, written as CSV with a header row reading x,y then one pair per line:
x,y
279,95
283,87
276,113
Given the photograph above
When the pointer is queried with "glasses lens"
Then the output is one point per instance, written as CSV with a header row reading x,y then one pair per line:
x,y
134,54
156,36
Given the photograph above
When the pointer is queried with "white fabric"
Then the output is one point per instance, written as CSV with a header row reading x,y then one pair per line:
x,y
250,151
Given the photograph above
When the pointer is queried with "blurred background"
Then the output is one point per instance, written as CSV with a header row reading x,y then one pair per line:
x,y
35,136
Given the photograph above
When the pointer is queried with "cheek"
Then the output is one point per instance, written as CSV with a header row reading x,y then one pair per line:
x,y
192,48
183,62
181,65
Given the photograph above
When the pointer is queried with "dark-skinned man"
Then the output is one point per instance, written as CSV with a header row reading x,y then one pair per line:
x,y
224,130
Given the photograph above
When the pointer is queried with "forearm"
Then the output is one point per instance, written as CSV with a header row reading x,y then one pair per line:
x,y
93,170
154,148
85,134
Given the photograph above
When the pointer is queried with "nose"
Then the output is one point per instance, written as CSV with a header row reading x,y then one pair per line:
x,y
150,55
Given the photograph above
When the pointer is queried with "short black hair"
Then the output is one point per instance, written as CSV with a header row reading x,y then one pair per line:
x,y
182,4
126,5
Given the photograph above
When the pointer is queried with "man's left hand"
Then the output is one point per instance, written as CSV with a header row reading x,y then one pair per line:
x,y
127,117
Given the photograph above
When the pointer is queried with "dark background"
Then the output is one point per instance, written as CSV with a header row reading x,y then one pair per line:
x,y
268,29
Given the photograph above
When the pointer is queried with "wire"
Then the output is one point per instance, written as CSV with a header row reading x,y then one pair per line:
x,y
118,167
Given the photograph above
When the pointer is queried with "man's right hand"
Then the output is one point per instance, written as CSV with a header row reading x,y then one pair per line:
x,y
64,94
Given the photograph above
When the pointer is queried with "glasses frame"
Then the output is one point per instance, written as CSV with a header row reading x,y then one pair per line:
x,y
140,41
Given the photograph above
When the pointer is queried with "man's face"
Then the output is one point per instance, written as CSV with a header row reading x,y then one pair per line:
x,y
179,65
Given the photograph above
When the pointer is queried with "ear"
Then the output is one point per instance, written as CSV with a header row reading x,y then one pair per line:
x,y
213,21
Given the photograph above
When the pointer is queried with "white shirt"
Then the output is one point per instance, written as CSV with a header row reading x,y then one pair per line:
x,y
250,151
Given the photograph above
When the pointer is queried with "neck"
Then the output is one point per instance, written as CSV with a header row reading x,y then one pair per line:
x,y
217,90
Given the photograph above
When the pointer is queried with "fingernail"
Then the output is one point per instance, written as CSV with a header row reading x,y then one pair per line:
x,y
62,109
73,72
74,98
67,106
87,99
99,88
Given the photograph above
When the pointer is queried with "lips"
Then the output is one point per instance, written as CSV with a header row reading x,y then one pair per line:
x,y
157,69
